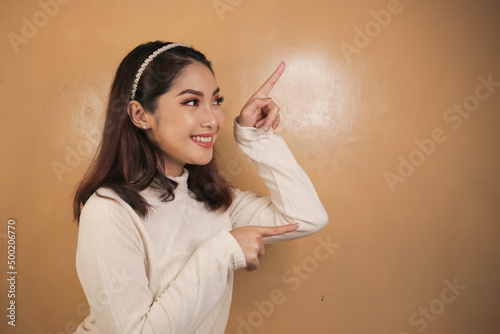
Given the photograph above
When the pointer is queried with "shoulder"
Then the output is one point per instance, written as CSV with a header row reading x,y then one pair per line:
x,y
107,222
103,197
105,206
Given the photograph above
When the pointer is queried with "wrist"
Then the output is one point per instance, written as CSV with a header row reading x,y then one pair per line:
x,y
243,125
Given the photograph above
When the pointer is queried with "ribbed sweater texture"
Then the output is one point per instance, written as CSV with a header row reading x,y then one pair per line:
x,y
172,272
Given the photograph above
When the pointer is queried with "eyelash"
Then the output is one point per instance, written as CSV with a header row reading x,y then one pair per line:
x,y
219,101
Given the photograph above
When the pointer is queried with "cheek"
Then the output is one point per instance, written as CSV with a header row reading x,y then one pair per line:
x,y
221,119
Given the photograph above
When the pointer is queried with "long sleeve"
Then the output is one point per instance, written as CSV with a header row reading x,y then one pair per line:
x,y
112,268
292,195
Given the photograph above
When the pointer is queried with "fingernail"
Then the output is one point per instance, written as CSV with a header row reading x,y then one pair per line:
x,y
296,225
266,128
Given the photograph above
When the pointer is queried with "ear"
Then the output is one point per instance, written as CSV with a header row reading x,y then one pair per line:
x,y
138,115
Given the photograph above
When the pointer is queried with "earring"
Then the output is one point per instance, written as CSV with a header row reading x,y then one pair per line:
x,y
144,127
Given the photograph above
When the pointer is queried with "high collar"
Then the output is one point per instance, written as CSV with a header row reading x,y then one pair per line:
x,y
182,179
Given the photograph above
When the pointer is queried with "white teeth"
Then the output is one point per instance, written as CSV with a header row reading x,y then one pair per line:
x,y
202,139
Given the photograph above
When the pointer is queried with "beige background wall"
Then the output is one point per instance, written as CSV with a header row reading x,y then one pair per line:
x,y
353,108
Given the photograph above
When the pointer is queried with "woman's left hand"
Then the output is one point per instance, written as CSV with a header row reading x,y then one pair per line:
x,y
260,110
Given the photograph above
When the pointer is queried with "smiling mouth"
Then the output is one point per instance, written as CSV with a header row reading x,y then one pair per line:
x,y
202,139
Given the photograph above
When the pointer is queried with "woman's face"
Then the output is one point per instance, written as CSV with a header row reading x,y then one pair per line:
x,y
188,119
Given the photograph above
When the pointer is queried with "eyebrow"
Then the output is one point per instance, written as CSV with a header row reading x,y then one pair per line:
x,y
197,92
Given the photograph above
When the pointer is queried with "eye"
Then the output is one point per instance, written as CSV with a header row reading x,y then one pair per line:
x,y
220,100
195,101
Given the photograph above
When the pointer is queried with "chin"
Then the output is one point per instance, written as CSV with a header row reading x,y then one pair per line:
x,y
202,162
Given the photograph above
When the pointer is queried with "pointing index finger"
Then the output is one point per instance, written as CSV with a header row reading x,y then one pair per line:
x,y
269,231
273,79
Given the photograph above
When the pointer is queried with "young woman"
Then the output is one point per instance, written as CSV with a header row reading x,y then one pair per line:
x,y
160,231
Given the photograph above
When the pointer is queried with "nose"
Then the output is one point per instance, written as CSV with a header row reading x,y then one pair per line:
x,y
208,118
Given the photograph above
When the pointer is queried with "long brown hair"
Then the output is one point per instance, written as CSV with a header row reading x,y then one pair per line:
x,y
126,161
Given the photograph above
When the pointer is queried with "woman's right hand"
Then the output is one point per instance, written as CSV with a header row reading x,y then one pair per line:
x,y
261,111
252,244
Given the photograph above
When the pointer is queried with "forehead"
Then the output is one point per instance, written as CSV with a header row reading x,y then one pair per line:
x,y
196,76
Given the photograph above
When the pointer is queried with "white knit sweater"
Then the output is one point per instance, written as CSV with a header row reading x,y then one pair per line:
x,y
173,271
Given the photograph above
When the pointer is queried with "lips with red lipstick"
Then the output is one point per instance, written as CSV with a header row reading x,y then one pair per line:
x,y
204,139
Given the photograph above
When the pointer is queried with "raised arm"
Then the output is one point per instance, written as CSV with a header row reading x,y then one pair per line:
x,y
293,197
112,268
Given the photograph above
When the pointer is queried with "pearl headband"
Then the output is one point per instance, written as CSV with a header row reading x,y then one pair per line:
x,y
146,63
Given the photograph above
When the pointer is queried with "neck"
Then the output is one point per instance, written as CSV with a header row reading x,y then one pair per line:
x,y
174,172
